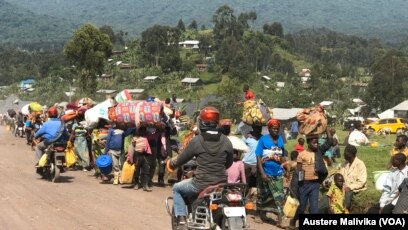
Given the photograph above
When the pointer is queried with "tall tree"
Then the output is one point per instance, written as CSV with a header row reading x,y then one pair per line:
x,y
387,88
108,31
193,25
88,50
181,26
226,24
275,29
229,90
157,41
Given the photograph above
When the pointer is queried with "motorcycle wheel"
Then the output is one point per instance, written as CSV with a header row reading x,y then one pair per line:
x,y
55,172
173,220
232,223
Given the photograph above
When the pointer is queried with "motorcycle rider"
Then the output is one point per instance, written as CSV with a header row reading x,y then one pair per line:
x,y
53,130
19,123
214,155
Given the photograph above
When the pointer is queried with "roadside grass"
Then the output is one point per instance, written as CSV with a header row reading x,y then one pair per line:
x,y
375,159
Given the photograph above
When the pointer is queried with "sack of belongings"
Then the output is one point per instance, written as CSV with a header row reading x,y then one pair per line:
x,y
312,120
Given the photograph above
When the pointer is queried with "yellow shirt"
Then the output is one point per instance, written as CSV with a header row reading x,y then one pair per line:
x,y
395,151
336,197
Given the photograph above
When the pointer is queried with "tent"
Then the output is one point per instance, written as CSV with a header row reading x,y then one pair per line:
x,y
389,113
285,114
401,110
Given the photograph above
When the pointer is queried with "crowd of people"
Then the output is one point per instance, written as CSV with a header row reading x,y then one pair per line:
x,y
265,165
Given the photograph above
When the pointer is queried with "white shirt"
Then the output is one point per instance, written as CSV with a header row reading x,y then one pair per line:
x,y
391,184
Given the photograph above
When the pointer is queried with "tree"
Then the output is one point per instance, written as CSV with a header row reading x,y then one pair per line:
x,y
193,25
226,24
229,90
275,29
181,26
244,17
87,50
157,41
108,31
387,88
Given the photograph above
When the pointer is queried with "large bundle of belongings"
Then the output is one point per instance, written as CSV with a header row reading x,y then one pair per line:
x,y
256,113
312,120
78,108
137,113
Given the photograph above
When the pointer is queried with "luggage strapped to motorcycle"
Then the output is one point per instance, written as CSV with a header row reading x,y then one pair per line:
x,y
59,134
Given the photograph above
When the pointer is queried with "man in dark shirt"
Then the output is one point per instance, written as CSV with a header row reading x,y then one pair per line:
x,y
214,155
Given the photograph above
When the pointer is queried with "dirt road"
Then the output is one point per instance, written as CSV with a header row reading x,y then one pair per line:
x,y
79,201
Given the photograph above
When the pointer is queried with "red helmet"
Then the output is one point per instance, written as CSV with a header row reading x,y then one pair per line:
x,y
210,114
209,117
52,112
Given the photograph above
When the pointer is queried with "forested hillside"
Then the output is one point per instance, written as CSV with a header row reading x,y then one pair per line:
x,y
367,18
20,25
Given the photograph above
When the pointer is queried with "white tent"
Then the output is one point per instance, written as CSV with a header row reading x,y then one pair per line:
x,y
389,113
284,114
403,106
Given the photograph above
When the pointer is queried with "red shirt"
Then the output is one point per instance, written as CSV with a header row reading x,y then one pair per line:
x,y
299,148
249,95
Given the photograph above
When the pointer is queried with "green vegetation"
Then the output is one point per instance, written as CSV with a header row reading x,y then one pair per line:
x,y
234,53
381,19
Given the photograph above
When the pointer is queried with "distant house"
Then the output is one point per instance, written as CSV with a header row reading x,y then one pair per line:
x,y
201,67
125,66
106,77
191,82
118,52
189,44
359,84
280,84
265,78
305,75
136,92
151,78
326,104
107,92
27,85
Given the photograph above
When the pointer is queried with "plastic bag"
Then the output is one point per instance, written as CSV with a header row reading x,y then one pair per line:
x,y
43,160
127,173
70,156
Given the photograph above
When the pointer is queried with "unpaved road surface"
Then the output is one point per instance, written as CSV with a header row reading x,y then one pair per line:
x,y
78,201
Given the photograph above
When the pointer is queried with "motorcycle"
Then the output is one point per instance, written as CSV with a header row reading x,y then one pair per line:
x,y
55,162
221,206
20,130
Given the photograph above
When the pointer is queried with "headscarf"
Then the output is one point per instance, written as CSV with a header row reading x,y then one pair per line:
x,y
273,122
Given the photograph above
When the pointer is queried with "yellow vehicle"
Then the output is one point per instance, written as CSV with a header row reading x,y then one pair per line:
x,y
392,125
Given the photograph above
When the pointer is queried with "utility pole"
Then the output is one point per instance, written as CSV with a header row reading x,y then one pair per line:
x,y
70,92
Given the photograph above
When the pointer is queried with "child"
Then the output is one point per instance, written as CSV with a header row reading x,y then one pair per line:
x,y
299,147
139,152
236,173
336,195
289,167
114,147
